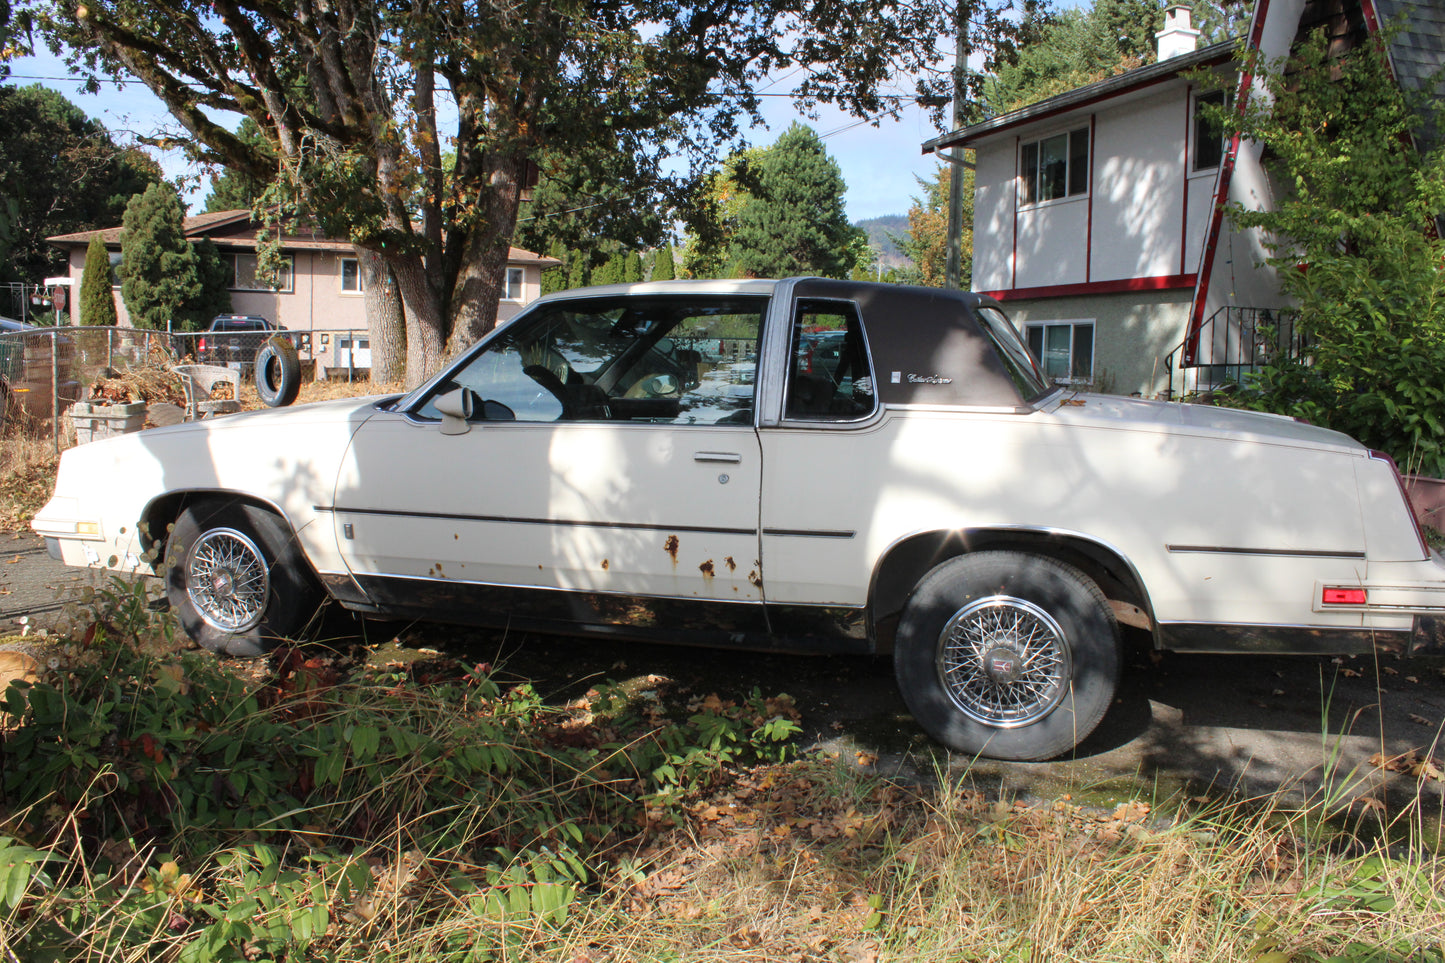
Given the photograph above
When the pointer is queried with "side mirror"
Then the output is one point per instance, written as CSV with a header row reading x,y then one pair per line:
x,y
456,410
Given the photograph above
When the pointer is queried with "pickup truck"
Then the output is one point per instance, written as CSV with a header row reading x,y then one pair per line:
x,y
233,340
671,462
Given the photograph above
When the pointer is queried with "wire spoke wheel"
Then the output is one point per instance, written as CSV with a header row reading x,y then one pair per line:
x,y
1004,661
227,580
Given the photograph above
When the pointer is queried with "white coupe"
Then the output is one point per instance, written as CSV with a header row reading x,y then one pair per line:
x,y
672,461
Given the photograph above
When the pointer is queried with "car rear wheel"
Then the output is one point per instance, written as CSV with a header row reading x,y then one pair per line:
x,y
1007,655
236,579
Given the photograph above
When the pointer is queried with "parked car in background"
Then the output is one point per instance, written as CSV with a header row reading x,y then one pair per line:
x,y
663,461
234,339
12,350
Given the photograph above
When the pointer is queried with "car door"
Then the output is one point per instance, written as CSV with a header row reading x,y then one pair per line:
x,y
822,456
609,474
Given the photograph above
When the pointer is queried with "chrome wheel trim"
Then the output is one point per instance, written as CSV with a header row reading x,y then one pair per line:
x,y
1004,661
227,580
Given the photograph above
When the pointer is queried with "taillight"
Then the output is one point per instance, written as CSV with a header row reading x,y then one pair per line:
x,y
1342,596
807,366
1405,497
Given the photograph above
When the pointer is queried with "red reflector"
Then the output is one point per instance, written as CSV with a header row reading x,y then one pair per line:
x,y
1344,596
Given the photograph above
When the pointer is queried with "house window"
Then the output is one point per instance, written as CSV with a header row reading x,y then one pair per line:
x,y
350,275
1208,141
114,269
515,278
246,279
1065,350
1055,167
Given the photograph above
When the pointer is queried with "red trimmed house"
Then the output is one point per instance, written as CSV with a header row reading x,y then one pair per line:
x,y
1098,213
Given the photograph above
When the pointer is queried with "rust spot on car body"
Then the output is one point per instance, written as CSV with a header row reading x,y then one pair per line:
x,y
706,569
756,579
605,564
670,547
728,561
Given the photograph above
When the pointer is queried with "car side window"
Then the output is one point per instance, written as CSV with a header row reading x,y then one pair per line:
x,y
830,377
663,359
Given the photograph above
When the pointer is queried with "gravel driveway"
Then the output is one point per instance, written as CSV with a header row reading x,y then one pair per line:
x,y
1252,723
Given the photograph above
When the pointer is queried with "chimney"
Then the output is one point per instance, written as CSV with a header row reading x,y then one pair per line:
x,y
1177,37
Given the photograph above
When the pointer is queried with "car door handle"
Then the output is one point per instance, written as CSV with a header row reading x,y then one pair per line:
x,y
721,457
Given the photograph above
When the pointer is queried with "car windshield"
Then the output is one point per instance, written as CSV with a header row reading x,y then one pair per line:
x,y
1021,366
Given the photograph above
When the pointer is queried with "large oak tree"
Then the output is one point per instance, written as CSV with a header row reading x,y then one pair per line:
x,y
361,100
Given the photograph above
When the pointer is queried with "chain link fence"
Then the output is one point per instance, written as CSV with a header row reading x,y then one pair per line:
x,y
44,371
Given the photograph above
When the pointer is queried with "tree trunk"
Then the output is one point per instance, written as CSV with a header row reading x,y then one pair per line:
x,y
385,321
484,265
425,342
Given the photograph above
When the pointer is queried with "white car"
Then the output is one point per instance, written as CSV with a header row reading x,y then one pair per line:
x,y
658,461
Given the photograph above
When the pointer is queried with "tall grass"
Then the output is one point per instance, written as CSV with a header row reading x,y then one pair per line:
x,y
161,805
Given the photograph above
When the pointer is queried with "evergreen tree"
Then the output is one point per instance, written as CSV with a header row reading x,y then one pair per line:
x,y
158,266
663,269
555,278
578,276
793,221
215,273
97,300
632,268
610,272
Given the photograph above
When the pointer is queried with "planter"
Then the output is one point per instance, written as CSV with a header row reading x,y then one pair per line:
x,y
93,422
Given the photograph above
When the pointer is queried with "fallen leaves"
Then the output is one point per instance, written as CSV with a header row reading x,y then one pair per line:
x,y
1423,768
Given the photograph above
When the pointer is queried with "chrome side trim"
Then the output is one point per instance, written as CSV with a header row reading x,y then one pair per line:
x,y
966,409
526,520
1274,552
807,533
1224,638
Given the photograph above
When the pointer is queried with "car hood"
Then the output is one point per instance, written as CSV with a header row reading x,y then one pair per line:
x,y
1110,411
355,410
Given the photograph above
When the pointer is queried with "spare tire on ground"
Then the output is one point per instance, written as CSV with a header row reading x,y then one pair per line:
x,y
278,372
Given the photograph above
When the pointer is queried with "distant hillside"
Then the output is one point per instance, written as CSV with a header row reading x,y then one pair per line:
x,y
878,229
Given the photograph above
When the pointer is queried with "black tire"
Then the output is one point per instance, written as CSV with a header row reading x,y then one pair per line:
x,y
1042,667
259,589
278,372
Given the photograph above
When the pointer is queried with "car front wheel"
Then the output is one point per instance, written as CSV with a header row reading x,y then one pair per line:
x,y
236,579
1007,655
